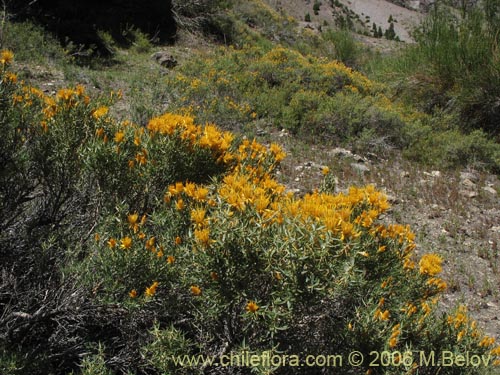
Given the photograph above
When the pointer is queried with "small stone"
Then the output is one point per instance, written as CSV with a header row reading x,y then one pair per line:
x,y
468,193
359,158
434,174
297,179
338,151
299,168
469,176
490,190
261,132
392,199
283,133
404,174
468,183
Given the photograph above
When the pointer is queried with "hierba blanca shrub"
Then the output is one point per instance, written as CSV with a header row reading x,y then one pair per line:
x,y
66,166
215,256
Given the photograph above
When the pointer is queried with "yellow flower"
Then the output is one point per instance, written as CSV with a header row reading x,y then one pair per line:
x,y
6,57
195,290
408,264
385,315
179,204
150,243
203,236
11,77
119,137
152,289
495,351
160,252
65,94
252,307
126,243
198,217
132,219
111,243
133,293
170,259
178,240
430,264
97,237
277,151
99,112
393,342
379,315
325,171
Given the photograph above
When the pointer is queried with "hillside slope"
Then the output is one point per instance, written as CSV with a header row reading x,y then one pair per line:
x,y
364,12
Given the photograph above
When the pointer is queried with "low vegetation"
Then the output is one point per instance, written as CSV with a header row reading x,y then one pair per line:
x,y
142,226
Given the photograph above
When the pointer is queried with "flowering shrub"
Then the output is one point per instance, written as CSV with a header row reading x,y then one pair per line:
x,y
195,241
303,93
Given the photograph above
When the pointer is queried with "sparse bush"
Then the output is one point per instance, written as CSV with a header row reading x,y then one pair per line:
x,y
316,7
462,54
346,47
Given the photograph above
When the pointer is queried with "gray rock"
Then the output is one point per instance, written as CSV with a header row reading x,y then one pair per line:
x,y
165,59
360,168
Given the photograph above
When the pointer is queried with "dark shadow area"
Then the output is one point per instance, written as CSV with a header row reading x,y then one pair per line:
x,y
83,22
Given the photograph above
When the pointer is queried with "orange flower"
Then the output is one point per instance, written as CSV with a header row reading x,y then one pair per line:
x,y
170,259
126,243
195,290
178,240
152,289
133,293
252,307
